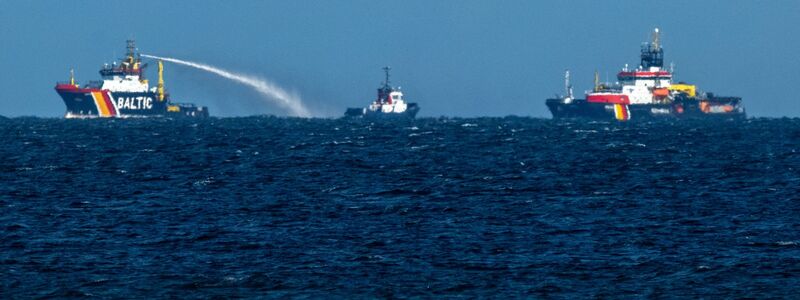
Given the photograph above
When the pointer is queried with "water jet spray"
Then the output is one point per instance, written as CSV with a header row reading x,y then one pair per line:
x,y
265,88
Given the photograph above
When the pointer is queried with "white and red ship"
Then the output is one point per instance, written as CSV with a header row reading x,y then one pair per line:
x,y
123,92
644,93
390,103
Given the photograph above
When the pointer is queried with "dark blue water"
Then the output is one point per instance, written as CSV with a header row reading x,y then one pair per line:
x,y
490,207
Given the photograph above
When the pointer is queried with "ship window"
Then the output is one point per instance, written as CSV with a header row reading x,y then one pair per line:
x,y
395,97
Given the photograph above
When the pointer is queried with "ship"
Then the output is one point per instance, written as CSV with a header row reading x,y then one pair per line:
x,y
124,92
390,104
644,93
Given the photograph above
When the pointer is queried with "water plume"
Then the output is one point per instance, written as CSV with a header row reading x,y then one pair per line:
x,y
269,90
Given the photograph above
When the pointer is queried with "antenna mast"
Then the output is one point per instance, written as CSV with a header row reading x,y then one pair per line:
x,y
386,70
652,54
596,81
656,39
567,85
131,46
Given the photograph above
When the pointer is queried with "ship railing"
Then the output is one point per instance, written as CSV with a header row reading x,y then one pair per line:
x,y
605,89
182,104
94,84
119,72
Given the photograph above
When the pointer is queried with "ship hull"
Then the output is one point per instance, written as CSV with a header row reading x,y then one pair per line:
x,y
409,113
685,108
90,103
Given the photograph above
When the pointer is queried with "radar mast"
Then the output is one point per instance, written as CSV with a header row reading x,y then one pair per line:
x,y
652,53
386,71
567,85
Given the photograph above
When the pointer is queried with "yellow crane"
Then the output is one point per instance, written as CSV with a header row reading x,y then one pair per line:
x,y
160,81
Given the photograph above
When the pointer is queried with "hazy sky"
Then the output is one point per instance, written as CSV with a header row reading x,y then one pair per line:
x,y
455,58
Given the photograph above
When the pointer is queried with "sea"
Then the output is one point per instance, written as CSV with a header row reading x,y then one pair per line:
x,y
513,207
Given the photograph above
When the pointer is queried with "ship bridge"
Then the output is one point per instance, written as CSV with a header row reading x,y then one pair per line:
x,y
643,75
131,65
128,75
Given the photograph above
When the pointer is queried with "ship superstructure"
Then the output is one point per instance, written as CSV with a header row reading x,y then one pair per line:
x,y
123,92
389,104
644,92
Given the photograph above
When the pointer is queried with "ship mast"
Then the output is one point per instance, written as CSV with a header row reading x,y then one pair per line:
x,y
596,81
656,39
130,56
385,90
567,85
652,53
130,46
386,70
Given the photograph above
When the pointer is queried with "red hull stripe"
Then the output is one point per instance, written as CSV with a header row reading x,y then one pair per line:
x,y
102,98
608,98
621,112
107,98
102,106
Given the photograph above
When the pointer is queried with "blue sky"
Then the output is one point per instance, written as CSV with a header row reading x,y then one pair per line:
x,y
455,58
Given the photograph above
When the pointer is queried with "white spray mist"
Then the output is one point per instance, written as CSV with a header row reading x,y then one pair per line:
x,y
269,90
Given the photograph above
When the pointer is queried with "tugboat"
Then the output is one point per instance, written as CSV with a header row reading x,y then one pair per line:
x,y
646,92
390,104
123,92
